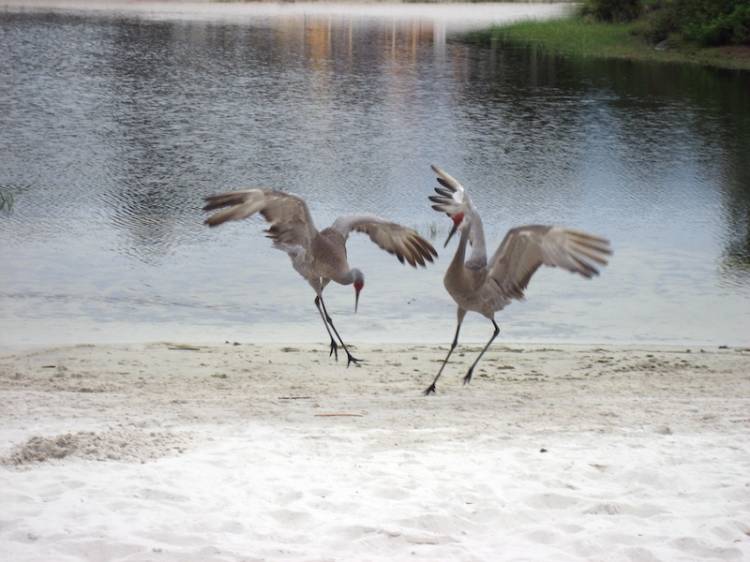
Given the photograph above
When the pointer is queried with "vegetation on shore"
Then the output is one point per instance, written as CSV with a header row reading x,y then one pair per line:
x,y
653,31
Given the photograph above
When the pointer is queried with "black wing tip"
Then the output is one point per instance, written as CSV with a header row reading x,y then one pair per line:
x,y
219,200
424,248
584,268
445,184
432,252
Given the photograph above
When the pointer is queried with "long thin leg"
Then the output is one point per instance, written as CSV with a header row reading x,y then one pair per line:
x,y
467,378
349,357
334,347
431,389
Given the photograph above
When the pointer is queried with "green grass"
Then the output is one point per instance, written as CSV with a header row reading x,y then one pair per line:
x,y
577,37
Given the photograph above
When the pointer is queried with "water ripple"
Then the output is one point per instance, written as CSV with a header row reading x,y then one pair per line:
x,y
115,127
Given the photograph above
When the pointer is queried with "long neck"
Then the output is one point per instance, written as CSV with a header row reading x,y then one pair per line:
x,y
347,279
477,236
458,258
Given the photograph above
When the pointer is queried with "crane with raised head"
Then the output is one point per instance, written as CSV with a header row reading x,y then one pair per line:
x,y
487,286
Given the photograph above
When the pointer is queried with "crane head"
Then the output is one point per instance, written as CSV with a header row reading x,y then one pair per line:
x,y
451,199
457,220
359,283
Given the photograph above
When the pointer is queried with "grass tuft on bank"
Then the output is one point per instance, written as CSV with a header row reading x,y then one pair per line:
x,y
576,36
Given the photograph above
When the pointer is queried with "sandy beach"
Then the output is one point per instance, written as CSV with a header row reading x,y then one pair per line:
x,y
120,116
174,452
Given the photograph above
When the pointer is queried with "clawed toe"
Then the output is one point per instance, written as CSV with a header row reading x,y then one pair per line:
x,y
351,359
429,390
334,350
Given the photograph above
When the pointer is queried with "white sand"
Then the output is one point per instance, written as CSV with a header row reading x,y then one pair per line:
x,y
173,453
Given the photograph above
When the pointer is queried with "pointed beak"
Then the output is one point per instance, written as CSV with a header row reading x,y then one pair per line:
x,y
450,235
356,301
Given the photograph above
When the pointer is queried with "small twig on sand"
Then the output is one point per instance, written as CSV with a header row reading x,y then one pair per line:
x,y
339,415
181,347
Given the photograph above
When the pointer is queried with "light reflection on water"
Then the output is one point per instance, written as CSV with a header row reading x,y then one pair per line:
x,y
114,127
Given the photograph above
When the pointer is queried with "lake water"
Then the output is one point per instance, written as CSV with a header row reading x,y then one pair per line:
x,y
115,123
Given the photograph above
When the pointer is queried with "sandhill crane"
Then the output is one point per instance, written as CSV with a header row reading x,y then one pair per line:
x,y
320,257
489,286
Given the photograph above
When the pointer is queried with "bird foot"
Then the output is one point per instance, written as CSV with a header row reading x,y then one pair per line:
x,y
429,390
334,350
351,359
467,378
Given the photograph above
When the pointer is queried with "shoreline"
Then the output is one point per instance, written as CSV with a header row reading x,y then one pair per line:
x,y
14,349
572,36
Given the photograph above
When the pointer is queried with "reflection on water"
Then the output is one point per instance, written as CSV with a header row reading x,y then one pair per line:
x,y
114,127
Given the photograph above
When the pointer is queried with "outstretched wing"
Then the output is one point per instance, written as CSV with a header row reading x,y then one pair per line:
x,y
288,215
526,248
452,199
404,242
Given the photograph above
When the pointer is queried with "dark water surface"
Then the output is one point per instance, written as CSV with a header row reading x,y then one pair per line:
x,y
114,126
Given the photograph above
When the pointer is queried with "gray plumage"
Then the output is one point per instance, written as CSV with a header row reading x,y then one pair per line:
x,y
318,256
487,286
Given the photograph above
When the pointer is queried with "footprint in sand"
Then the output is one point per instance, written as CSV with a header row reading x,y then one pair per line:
x,y
391,493
554,501
289,516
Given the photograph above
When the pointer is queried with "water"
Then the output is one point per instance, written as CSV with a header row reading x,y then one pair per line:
x,y
115,124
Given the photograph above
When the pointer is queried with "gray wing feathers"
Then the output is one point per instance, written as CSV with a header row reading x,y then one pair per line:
x,y
526,248
452,198
446,180
405,243
288,215
241,204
